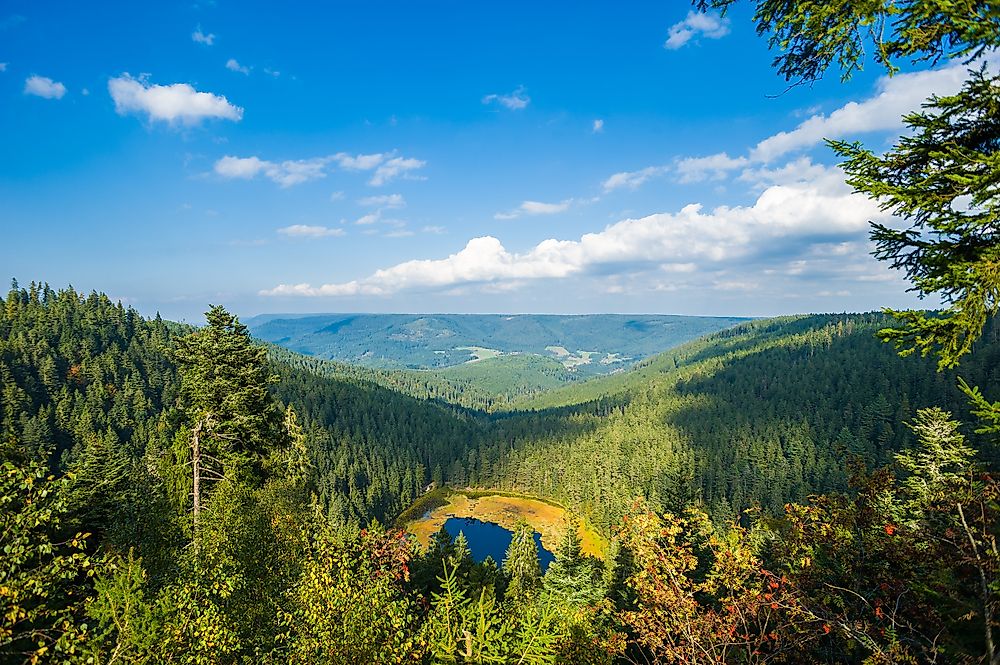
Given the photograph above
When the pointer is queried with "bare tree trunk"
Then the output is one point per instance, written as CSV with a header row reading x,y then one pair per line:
x,y
985,588
196,475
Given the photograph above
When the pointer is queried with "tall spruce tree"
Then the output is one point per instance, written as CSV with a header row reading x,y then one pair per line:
x,y
231,415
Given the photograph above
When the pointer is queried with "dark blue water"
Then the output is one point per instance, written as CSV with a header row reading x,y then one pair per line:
x,y
489,539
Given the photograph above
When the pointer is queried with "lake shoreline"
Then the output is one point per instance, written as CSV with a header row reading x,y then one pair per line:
x,y
428,515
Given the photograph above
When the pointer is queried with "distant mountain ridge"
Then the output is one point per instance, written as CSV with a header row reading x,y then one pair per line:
x,y
584,345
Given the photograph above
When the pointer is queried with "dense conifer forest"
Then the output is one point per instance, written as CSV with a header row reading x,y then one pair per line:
x,y
99,411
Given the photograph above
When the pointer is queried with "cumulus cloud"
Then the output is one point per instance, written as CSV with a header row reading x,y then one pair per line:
x,y
388,201
535,208
306,231
234,66
43,86
823,210
397,167
710,25
515,101
295,171
201,38
177,103
633,179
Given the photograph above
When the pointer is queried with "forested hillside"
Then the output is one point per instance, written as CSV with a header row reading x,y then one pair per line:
x,y
106,415
767,412
586,345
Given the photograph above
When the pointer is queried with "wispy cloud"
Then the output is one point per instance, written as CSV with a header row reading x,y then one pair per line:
x,y
535,208
177,103
883,111
397,167
3,66
43,86
369,218
295,171
598,126
388,201
515,101
710,25
358,162
234,66
202,38
287,173
633,179
306,231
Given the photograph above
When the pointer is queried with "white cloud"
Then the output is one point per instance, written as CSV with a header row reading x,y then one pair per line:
x,y
43,86
535,208
799,170
358,162
286,173
295,171
395,167
401,233
370,218
202,38
633,179
598,126
715,167
306,231
710,25
436,230
388,201
883,111
515,101
234,66
177,103
793,217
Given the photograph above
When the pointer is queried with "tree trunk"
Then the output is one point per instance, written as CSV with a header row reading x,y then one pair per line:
x,y
991,654
196,475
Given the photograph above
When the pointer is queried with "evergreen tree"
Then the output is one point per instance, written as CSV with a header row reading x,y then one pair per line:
x,y
521,565
230,412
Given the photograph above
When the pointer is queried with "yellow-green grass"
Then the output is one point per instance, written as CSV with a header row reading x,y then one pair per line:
x,y
506,510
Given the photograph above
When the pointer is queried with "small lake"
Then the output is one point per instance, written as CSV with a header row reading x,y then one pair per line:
x,y
489,539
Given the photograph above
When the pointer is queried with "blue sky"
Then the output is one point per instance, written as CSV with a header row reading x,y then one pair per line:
x,y
440,156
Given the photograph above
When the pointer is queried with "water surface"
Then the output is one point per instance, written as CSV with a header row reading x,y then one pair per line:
x,y
489,539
